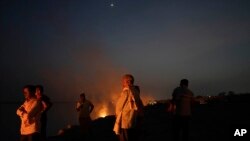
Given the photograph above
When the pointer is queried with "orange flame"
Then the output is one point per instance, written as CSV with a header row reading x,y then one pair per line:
x,y
103,111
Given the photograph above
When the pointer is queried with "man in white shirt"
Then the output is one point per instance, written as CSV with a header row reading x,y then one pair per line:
x,y
128,106
30,113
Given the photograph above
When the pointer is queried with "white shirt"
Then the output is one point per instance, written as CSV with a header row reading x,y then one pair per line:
x,y
30,120
183,98
84,108
128,102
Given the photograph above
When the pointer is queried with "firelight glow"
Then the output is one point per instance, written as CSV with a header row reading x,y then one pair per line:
x,y
103,112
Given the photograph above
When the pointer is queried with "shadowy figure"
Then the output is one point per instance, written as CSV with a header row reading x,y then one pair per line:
x,y
127,107
45,100
183,99
84,107
140,115
30,113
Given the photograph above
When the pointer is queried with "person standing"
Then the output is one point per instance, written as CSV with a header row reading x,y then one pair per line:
x,y
30,114
45,100
140,117
183,99
127,107
84,108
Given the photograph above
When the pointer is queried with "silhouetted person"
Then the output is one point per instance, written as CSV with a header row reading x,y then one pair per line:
x,y
183,98
45,100
84,107
127,108
140,115
30,114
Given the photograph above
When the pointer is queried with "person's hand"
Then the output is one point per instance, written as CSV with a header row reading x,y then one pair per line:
x,y
78,106
22,109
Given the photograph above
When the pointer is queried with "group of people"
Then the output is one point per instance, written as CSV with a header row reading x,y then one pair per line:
x,y
128,111
33,113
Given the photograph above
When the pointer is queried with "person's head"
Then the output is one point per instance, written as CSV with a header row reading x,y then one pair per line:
x,y
127,80
184,83
82,96
39,91
29,91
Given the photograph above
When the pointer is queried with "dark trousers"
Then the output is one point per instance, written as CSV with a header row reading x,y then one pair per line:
x,y
43,126
127,135
181,128
85,126
31,137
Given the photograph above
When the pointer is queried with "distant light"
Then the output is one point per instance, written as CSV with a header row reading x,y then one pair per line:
x,y
112,5
61,132
69,126
152,102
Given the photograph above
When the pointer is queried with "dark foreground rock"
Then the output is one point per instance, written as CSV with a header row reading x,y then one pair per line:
x,y
210,122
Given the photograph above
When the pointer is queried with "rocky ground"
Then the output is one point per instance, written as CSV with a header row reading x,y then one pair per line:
x,y
210,122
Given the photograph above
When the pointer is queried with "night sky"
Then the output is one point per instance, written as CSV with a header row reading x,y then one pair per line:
x,y
87,45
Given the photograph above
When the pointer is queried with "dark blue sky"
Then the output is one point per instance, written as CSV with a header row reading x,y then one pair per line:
x,y
87,45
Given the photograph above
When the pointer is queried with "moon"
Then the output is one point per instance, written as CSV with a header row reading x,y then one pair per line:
x,y
112,5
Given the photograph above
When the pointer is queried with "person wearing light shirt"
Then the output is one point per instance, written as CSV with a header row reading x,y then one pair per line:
x,y
84,108
128,108
183,98
30,113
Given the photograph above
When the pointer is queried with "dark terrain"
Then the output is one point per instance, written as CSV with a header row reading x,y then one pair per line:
x,y
210,122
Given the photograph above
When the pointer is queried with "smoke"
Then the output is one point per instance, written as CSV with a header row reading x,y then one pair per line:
x,y
87,68
89,71
92,72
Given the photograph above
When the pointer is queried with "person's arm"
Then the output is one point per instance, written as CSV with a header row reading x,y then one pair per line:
x,y
47,104
78,106
91,107
21,111
35,109
121,101
174,99
45,107
140,107
136,98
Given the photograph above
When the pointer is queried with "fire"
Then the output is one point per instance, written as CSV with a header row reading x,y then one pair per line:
x,y
102,114
103,111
